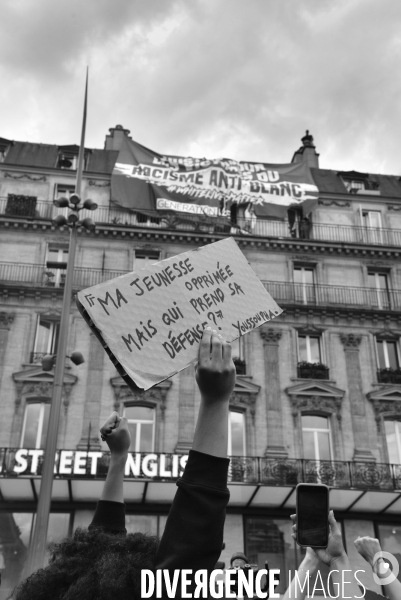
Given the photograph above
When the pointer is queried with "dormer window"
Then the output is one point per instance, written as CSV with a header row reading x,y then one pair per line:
x,y
68,157
354,186
67,161
359,183
4,147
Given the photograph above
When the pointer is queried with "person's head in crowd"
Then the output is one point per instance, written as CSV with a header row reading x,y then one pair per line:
x,y
238,560
80,568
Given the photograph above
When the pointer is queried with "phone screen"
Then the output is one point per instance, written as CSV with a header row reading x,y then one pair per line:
x,y
312,515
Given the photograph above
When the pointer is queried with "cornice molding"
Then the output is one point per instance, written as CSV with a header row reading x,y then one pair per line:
x,y
386,402
386,334
164,235
316,404
156,395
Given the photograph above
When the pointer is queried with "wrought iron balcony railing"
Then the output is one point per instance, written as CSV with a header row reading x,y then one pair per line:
x,y
38,275
352,234
389,376
282,291
17,463
306,370
332,295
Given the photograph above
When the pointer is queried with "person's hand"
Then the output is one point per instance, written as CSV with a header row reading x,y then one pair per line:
x,y
368,547
116,434
335,548
310,560
215,371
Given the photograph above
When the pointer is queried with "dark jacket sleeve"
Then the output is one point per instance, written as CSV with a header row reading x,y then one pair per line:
x,y
193,536
109,516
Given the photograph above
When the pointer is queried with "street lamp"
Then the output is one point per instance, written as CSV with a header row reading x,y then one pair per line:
x,y
49,360
37,548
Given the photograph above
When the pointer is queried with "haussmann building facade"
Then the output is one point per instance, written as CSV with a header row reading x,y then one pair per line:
x,y
318,392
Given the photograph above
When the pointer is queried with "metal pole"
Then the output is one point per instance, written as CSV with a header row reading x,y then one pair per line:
x,y
37,548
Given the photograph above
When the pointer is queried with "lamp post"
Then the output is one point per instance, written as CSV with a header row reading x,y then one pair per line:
x,y
37,549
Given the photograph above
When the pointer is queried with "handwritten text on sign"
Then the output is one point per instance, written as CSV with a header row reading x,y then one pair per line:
x,y
152,320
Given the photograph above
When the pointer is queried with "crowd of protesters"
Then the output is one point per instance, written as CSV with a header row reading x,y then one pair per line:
x,y
103,562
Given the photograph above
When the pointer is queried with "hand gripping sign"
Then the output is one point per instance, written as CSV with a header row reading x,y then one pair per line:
x,y
150,321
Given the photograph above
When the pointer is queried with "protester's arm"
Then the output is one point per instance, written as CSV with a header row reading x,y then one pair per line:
x,y
297,588
194,530
371,551
335,557
215,376
110,511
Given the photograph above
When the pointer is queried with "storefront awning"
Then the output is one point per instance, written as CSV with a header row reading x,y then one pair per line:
x,y
256,482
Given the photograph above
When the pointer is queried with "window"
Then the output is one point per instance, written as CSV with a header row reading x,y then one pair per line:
x,y
4,147
36,421
354,185
304,280
372,226
387,354
270,540
144,258
236,433
63,189
316,437
310,360
56,264
309,349
393,439
388,361
141,423
68,157
378,283
238,355
46,338
67,160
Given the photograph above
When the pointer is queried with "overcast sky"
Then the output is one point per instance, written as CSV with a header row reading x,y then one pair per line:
x,y
237,79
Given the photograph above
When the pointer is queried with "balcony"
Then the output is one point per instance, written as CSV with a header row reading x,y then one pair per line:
x,y
332,295
306,370
286,293
253,481
240,366
389,376
323,232
38,276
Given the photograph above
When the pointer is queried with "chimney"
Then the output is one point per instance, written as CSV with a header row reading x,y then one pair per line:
x,y
115,138
307,152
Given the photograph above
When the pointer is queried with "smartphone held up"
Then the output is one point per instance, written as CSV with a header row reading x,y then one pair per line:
x,y
312,515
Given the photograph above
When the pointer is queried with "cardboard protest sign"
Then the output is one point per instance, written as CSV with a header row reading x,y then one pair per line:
x,y
151,321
